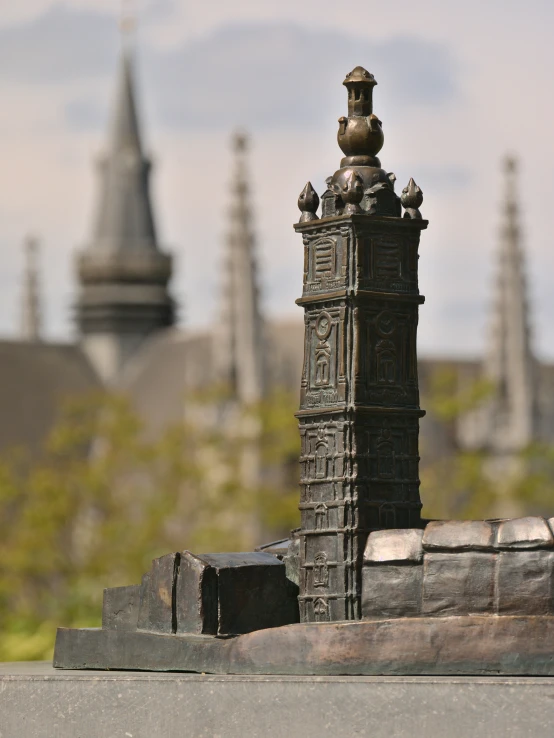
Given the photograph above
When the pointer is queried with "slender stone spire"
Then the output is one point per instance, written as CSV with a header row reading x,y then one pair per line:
x,y
30,309
240,350
510,363
123,273
124,218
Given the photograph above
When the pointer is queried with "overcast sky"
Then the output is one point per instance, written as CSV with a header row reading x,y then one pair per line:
x,y
460,85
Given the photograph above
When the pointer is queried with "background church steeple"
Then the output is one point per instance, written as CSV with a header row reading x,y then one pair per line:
x,y
122,272
239,340
30,307
509,361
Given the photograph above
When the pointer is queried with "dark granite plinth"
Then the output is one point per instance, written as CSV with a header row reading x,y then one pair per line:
x,y
454,645
37,701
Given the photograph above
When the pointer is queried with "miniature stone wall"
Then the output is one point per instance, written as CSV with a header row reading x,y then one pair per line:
x,y
460,568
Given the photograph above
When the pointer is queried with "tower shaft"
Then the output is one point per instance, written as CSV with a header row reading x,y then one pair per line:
x,y
359,411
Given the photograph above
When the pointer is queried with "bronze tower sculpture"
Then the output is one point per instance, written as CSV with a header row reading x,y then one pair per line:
x,y
359,402
365,586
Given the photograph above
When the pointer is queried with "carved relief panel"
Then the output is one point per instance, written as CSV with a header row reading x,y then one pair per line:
x,y
322,457
320,570
320,516
387,263
386,365
324,381
387,456
325,260
322,573
321,610
393,448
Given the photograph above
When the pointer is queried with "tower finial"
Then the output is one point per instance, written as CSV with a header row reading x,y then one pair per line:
x,y
360,136
30,312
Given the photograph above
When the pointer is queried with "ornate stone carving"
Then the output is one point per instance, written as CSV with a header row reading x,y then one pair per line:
x,y
321,516
360,137
321,610
352,192
321,570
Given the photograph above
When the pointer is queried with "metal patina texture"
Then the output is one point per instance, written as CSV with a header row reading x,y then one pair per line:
x,y
377,589
359,412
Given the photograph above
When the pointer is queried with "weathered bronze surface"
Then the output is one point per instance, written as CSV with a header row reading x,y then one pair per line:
x,y
453,645
359,412
380,590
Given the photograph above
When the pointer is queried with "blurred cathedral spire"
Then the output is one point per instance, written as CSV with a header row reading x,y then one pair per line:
x,y
30,307
239,340
510,362
123,273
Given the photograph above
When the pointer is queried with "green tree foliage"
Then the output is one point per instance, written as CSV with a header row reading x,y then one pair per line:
x,y
103,500
454,484
470,484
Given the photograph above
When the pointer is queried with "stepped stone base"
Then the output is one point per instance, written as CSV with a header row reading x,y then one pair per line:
x,y
37,701
463,645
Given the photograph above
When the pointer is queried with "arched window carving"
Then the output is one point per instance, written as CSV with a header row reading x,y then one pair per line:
x,y
321,570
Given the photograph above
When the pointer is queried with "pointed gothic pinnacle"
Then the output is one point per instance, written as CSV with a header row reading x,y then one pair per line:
x,y
411,199
510,171
30,316
240,142
308,203
510,164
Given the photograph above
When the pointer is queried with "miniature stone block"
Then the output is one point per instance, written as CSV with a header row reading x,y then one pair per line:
x,y
120,608
232,593
394,545
461,535
391,590
196,596
392,574
524,582
530,532
156,596
458,583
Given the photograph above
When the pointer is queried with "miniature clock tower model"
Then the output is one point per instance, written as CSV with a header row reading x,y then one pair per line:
x,y
359,412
